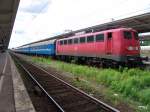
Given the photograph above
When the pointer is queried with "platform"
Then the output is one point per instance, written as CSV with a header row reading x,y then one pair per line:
x,y
13,94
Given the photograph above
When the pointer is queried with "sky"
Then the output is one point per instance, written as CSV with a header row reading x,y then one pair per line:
x,y
40,19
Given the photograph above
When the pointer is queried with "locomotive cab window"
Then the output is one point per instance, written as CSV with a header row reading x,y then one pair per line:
x,y
90,38
136,35
82,40
75,40
127,35
99,37
109,35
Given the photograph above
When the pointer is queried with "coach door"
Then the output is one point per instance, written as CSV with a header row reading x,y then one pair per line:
x,y
109,43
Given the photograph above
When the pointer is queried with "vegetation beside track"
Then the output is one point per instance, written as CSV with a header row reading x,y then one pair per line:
x,y
124,84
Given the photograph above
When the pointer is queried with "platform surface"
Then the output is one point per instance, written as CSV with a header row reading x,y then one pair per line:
x,y
13,94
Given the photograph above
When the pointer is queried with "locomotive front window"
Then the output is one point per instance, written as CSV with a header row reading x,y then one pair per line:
x,y
82,40
127,35
136,35
99,37
90,38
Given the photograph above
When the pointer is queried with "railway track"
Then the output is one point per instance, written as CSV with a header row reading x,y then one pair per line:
x,y
64,96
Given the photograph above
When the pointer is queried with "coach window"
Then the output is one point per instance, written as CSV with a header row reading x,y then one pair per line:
x,y
90,38
70,41
109,35
82,39
99,37
127,35
76,41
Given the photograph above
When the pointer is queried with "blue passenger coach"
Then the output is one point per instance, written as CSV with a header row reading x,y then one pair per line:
x,y
43,48
23,49
39,48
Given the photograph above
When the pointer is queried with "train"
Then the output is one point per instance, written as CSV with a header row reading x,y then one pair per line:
x,y
114,46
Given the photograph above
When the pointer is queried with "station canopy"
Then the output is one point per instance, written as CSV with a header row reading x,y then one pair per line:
x,y
8,10
141,23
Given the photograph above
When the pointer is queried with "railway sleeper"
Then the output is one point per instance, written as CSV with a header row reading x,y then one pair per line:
x,y
67,99
61,95
58,91
88,107
75,104
48,82
53,87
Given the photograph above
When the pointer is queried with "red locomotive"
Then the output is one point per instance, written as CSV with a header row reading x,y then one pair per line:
x,y
119,45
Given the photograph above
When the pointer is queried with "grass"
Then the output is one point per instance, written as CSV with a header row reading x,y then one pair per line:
x,y
133,84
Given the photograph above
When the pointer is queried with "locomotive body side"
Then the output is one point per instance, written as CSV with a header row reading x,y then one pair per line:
x,y
109,44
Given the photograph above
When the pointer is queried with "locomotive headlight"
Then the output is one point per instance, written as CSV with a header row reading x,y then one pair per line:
x,y
130,48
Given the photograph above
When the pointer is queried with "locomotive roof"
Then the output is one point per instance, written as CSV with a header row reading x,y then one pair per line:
x,y
99,32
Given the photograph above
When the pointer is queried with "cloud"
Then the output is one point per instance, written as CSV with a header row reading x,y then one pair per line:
x,y
19,32
36,6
